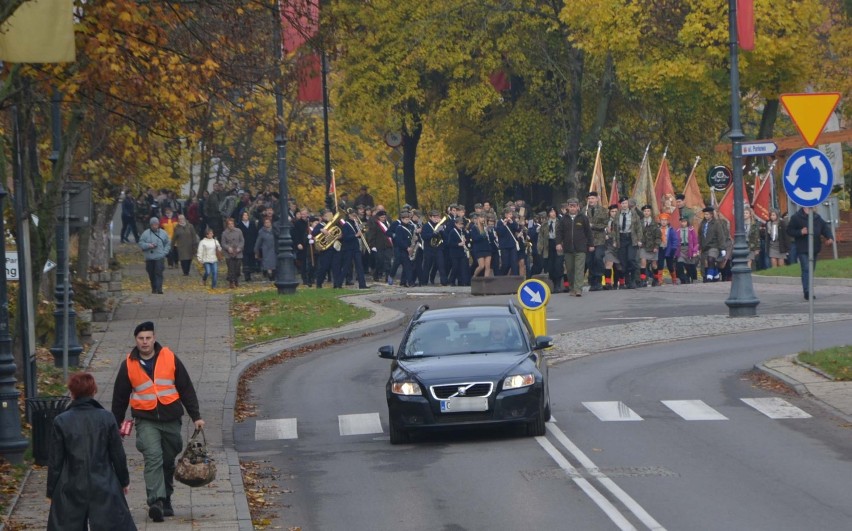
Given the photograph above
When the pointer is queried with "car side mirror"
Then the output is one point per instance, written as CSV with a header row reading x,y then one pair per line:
x,y
542,342
386,352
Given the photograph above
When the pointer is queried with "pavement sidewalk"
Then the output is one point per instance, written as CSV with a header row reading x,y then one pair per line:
x,y
196,324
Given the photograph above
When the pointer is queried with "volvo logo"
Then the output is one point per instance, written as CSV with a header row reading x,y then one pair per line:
x,y
462,391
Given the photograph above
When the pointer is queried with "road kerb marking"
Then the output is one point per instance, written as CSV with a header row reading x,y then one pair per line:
x,y
776,408
631,504
275,429
693,410
359,424
599,499
612,411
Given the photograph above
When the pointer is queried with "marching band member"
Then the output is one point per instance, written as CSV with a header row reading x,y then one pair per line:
x,y
508,242
457,244
379,239
328,260
481,246
402,235
433,250
350,251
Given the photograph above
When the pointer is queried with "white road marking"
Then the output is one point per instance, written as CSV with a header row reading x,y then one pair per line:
x,y
359,424
593,493
693,410
612,411
628,318
275,429
631,504
776,408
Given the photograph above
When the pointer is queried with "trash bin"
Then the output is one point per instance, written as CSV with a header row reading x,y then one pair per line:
x,y
43,410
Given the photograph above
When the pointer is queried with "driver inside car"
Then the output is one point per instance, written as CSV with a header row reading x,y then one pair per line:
x,y
498,335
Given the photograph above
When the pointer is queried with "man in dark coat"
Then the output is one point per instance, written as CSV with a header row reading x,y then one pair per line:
x,y
87,474
797,228
574,239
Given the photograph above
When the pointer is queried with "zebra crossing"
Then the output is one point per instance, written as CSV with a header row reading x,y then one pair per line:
x,y
606,411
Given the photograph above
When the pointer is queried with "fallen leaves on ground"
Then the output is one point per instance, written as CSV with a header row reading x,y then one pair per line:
x,y
768,383
261,491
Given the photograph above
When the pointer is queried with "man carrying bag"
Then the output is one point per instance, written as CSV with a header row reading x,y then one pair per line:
x,y
156,385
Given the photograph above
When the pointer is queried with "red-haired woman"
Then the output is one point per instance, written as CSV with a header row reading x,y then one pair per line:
x,y
87,474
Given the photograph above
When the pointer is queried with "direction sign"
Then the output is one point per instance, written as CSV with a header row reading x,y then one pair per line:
x,y
720,177
808,177
13,272
751,149
810,112
533,294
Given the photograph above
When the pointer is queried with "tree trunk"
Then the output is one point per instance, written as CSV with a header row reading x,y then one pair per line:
x,y
410,139
575,109
468,190
607,85
768,118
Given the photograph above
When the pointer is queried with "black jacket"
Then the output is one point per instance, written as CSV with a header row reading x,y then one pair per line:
x,y
87,470
799,221
575,235
165,412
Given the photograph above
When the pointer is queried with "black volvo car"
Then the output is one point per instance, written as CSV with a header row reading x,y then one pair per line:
x,y
477,365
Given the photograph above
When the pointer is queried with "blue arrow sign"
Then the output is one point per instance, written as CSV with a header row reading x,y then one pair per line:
x,y
808,177
533,294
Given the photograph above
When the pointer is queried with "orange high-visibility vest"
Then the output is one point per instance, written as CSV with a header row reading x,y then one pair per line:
x,y
147,392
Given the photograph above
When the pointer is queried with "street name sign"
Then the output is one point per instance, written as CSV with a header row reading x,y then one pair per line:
x,y
808,177
751,149
13,271
810,112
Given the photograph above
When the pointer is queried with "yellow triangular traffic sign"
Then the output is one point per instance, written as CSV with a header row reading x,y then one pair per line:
x,y
810,112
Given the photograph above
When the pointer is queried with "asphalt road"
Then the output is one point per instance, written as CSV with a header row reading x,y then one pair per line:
x,y
322,424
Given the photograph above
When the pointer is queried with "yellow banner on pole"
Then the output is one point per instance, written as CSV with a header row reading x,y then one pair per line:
x,y
39,31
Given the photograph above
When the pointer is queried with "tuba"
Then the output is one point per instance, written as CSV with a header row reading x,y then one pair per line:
x,y
438,238
324,241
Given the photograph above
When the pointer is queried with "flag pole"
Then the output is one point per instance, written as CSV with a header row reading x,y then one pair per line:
x,y
334,183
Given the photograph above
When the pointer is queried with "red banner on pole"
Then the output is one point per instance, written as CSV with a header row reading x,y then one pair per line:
x,y
745,24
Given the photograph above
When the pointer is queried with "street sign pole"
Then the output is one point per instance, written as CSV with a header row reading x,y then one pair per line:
x,y
811,277
742,302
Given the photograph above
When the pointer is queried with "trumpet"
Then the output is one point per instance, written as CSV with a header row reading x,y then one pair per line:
x,y
324,241
438,238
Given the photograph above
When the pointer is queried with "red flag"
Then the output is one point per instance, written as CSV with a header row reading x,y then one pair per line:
x,y
300,23
726,205
310,78
613,193
332,189
500,81
745,24
761,202
692,193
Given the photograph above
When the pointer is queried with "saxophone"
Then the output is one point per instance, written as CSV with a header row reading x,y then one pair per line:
x,y
415,241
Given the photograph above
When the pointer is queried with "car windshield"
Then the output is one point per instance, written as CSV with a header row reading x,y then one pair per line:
x,y
467,335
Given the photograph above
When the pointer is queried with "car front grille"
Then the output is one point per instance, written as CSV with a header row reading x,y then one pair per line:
x,y
468,389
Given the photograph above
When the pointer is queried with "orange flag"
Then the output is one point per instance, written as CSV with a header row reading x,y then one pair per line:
x,y
763,196
613,193
691,191
598,183
663,184
726,205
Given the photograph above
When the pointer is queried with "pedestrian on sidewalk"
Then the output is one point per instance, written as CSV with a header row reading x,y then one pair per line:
x,y
155,244
87,475
157,386
186,242
233,242
208,253
798,229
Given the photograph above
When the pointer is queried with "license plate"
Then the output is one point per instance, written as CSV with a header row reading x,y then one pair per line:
x,y
461,404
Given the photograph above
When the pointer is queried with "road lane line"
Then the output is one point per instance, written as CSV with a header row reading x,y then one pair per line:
x,y
275,429
600,500
631,504
612,411
693,410
359,424
776,408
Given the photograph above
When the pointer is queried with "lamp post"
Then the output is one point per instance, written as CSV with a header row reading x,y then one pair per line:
x,y
285,271
742,302
12,443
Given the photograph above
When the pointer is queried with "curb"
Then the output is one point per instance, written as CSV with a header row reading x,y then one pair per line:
x,y
796,281
383,319
796,385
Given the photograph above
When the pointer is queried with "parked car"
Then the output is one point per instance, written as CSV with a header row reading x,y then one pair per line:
x,y
471,366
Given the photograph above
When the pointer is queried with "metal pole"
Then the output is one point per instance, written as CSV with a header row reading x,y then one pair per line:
x,y
811,277
326,139
285,271
12,442
66,303
742,301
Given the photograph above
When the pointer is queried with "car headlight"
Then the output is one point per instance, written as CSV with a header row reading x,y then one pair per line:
x,y
518,380
407,388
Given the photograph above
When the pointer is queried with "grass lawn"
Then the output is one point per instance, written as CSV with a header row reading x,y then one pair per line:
x,y
265,315
826,267
836,361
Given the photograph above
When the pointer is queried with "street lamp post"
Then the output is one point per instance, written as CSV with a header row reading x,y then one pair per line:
x,y
742,302
12,443
285,271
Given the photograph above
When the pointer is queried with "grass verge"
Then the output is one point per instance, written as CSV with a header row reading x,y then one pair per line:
x,y
835,361
265,315
826,268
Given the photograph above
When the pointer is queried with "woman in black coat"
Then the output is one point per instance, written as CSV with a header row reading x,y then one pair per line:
x,y
87,474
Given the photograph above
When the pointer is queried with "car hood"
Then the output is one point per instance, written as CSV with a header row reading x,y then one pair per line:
x,y
437,369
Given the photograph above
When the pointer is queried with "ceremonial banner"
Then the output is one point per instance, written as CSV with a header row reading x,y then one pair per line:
x,y
691,191
664,191
39,31
726,205
613,193
745,24
300,24
643,192
762,201
598,183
